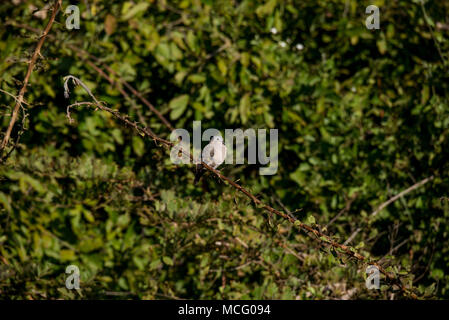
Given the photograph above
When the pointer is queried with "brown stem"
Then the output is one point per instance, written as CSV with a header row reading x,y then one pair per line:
x,y
90,59
20,97
388,202
317,235
86,55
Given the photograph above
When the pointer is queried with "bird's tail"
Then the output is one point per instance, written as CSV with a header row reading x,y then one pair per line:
x,y
198,173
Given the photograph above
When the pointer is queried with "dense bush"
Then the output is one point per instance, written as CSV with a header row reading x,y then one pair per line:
x,y
362,115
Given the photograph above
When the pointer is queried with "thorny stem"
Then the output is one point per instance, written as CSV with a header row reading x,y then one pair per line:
x,y
311,231
20,97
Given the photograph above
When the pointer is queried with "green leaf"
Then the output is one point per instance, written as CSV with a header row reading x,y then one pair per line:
x,y
197,78
155,264
138,145
67,255
311,219
178,105
222,67
88,216
192,41
437,274
267,8
25,181
163,50
167,260
244,107
4,200
128,14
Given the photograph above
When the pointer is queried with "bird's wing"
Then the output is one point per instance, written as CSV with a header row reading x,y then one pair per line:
x,y
208,154
220,155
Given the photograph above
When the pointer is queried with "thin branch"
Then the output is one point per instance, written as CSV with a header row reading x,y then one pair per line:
x,y
314,233
91,60
345,209
391,200
84,55
14,97
36,54
427,266
437,45
352,236
394,249
401,194
146,131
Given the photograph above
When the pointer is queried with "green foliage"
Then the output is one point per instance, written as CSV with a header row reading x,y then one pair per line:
x,y
362,115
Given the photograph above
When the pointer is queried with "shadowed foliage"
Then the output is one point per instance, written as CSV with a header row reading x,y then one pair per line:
x,y
362,116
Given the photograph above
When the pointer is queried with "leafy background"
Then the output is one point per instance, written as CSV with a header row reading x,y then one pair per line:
x,y
362,115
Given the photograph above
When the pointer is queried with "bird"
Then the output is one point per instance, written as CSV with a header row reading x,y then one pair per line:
x,y
213,155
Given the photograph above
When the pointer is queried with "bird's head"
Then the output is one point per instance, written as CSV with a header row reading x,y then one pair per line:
x,y
216,139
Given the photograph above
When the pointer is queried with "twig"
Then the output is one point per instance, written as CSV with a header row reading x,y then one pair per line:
x,y
86,56
394,249
427,266
403,193
241,242
77,104
245,264
437,45
115,84
318,235
391,200
146,131
352,236
13,96
289,250
345,209
286,209
118,294
36,54
81,52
